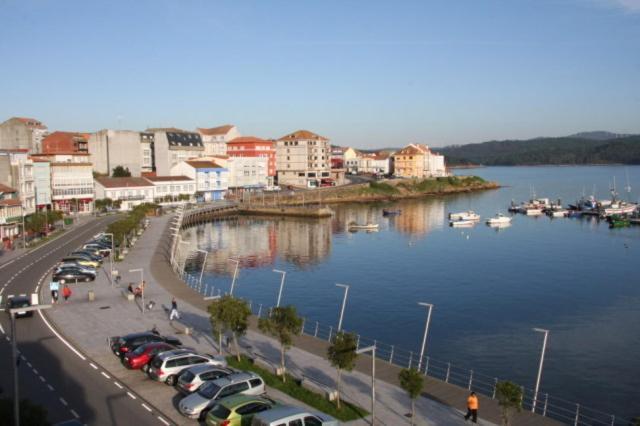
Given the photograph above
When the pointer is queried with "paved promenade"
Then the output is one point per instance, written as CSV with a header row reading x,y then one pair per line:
x,y
89,324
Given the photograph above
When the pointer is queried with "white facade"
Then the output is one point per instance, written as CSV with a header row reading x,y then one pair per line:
x,y
172,188
434,165
42,182
375,164
16,171
215,139
130,191
245,172
72,187
212,180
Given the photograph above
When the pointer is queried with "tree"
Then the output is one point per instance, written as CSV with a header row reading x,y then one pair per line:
x,y
411,380
283,323
342,355
120,171
232,315
509,397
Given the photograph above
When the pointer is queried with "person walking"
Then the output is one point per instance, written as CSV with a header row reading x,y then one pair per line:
x,y
472,408
66,293
174,310
54,286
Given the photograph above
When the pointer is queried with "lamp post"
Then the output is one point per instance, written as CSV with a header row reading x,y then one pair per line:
x,y
111,255
235,274
141,283
426,331
14,356
24,230
344,303
206,253
284,274
371,349
544,348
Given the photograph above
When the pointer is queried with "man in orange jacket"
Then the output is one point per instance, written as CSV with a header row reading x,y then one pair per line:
x,y
472,408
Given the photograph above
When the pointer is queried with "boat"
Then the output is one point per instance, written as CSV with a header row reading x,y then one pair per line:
x,y
617,221
498,219
533,211
367,227
387,212
468,215
558,213
462,223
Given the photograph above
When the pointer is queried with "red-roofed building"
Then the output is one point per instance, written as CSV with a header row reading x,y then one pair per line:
x,y
303,159
22,133
212,179
65,143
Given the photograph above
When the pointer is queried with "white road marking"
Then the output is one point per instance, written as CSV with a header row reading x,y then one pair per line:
x,y
42,379
132,396
29,364
146,407
1,329
35,371
63,401
118,385
50,388
105,375
74,350
75,414
95,367
163,421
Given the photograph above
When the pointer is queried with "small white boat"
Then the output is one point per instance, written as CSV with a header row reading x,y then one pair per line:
x,y
468,215
533,211
498,219
559,213
462,223
367,227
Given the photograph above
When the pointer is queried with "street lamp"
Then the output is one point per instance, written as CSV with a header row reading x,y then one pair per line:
x,y
206,253
544,348
371,349
284,274
24,230
426,331
344,303
141,283
235,274
14,356
111,255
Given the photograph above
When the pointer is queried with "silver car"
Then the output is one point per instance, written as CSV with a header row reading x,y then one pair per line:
x,y
192,378
290,415
166,366
196,405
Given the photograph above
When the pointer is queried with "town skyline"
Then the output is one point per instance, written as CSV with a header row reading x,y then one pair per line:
x,y
467,74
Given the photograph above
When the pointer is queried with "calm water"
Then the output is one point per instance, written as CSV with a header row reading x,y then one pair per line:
x,y
575,277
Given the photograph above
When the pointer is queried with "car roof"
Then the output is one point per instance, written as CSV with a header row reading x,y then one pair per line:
x,y
280,411
19,299
235,378
235,400
138,334
175,353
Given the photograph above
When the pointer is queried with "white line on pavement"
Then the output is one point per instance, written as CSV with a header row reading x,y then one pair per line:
x,y
1,329
146,407
74,350
42,379
29,364
95,367
63,401
118,385
163,421
75,414
132,396
105,374
50,388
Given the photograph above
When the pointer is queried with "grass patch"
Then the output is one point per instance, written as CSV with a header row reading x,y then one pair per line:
x,y
293,389
380,188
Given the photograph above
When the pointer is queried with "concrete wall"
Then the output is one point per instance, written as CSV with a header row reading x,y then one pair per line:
x,y
111,148
14,135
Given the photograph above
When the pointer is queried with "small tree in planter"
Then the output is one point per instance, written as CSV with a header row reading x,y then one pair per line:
x,y
283,323
509,397
342,355
233,315
411,381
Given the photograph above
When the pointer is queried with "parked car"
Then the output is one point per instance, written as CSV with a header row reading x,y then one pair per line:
x,y
198,403
88,254
73,274
104,251
192,378
74,265
17,302
142,355
238,410
290,415
81,260
120,345
166,366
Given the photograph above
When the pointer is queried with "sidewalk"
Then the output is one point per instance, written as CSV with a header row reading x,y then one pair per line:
x,y
89,324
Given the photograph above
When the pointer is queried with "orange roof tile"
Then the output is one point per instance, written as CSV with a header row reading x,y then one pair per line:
x,y
302,135
249,139
220,130
203,164
62,142
122,182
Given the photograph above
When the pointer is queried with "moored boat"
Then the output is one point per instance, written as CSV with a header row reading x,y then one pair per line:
x,y
462,223
498,219
468,215
368,226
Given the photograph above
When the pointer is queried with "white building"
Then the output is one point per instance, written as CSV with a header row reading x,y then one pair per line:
x,y
172,148
129,191
16,171
215,139
172,188
10,215
376,163
212,180
22,133
42,182
245,172
303,159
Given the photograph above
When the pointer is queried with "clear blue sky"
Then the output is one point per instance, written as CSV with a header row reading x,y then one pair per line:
x,y
363,73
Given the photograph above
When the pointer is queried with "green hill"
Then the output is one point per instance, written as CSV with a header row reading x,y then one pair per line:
x,y
564,150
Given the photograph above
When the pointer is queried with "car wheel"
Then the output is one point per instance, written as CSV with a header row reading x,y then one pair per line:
x,y
87,279
171,380
203,415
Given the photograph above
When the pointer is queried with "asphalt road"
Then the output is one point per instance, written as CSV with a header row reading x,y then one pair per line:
x,y
53,373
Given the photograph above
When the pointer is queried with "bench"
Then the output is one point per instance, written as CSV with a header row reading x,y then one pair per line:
x,y
315,386
127,294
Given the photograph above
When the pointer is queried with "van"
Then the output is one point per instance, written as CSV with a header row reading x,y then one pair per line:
x,y
288,415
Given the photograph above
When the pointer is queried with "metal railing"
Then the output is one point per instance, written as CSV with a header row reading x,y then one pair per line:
x,y
562,410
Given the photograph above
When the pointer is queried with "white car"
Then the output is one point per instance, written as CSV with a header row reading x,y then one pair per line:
x,y
192,378
166,366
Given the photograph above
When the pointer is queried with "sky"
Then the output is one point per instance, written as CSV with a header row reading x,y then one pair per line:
x,y
367,74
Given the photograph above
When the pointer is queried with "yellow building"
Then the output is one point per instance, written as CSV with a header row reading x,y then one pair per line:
x,y
417,160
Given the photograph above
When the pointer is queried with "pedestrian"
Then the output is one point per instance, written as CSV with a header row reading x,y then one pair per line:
x,y
472,408
66,293
174,310
54,286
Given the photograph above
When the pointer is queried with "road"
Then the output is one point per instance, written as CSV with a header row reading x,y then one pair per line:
x,y
52,372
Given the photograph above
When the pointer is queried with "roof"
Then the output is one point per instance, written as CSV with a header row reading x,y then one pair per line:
x,y
62,142
302,135
249,139
413,149
164,129
184,139
10,202
201,164
122,182
70,163
220,130
167,178
4,188
31,122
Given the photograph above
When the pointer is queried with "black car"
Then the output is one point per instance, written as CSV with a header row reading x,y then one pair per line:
x,y
72,274
17,302
120,345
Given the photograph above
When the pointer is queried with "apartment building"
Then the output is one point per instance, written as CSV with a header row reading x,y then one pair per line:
x,y
245,172
351,159
376,163
16,171
303,159
417,160
215,139
10,215
171,148
42,182
111,148
212,180
65,143
172,188
22,133
128,191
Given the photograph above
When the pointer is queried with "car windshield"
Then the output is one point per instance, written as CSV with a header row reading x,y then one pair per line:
x,y
139,350
220,411
19,303
209,391
188,376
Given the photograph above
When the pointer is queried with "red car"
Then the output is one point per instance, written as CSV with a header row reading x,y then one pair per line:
x,y
144,354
